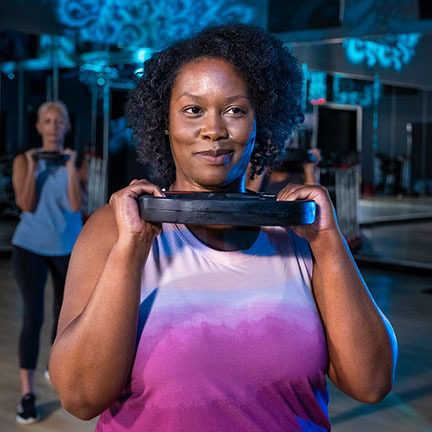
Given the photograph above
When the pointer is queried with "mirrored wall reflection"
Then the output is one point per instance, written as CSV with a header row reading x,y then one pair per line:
x,y
383,132
94,88
23,90
396,211
375,138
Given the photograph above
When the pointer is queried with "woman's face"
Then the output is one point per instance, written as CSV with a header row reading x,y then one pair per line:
x,y
52,126
211,126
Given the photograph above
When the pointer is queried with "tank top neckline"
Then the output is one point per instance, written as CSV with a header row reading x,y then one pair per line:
x,y
218,255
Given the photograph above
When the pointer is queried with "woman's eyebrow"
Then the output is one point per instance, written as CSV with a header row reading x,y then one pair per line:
x,y
198,98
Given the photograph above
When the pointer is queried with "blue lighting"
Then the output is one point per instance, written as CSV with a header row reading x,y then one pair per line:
x,y
317,84
142,55
354,92
138,72
377,90
100,81
135,23
393,51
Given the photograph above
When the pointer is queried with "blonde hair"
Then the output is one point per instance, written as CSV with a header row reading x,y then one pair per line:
x,y
54,105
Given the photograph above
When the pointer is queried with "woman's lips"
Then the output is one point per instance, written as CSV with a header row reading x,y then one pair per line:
x,y
216,157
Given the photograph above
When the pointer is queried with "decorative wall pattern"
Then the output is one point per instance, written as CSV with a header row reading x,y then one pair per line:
x,y
356,92
392,51
317,85
134,23
363,17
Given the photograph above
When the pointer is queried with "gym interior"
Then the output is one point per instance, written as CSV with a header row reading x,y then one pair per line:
x,y
367,100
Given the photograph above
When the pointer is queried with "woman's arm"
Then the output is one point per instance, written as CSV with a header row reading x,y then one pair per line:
x,y
92,355
311,169
361,343
83,176
24,181
309,173
74,190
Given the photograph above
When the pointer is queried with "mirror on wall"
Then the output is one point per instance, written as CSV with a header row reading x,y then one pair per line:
x,y
381,131
373,126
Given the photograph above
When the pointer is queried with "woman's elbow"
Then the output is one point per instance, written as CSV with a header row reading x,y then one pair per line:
x,y
75,205
376,393
83,401
83,413
23,205
82,409
375,388
370,388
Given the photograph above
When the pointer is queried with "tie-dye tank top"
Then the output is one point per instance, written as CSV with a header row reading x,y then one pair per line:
x,y
227,341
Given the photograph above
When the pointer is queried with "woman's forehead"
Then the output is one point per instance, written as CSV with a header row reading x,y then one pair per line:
x,y
207,70
52,112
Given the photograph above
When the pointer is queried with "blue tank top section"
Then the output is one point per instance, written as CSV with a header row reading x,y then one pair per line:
x,y
53,227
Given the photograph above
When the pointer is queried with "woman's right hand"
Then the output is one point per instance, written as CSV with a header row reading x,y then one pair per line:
x,y
124,204
31,163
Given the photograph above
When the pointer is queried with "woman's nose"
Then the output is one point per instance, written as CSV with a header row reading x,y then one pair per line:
x,y
214,127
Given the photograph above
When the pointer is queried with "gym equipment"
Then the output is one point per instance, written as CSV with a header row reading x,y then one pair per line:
x,y
295,158
218,208
52,156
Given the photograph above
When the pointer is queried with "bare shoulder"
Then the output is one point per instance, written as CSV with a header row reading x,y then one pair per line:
x,y
20,157
88,259
19,162
101,227
96,239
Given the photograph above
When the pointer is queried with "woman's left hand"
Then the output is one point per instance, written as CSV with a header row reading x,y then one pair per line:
x,y
72,156
325,220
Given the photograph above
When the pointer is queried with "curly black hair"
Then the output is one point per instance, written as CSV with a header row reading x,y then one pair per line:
x,y
271,72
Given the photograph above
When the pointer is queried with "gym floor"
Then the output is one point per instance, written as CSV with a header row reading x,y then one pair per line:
x,y
396,231
405,298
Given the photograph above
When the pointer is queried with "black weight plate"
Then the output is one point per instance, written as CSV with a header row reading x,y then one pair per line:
x,y
53,156
241,209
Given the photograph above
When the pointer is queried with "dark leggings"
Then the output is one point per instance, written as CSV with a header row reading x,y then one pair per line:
x,y
31,271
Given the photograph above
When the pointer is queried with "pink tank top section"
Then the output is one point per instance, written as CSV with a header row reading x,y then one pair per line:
x,y
227,341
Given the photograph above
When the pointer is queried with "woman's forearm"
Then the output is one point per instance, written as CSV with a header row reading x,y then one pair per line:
x,y
26,199
74,191
361,343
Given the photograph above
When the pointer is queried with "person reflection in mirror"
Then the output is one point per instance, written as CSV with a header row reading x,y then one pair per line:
x,y
48,192
171,327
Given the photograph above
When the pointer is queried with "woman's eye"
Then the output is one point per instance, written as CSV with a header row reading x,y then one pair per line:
x,y
193,110
235,110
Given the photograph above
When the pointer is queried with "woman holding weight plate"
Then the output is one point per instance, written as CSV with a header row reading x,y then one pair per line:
x,y
172,327
48,189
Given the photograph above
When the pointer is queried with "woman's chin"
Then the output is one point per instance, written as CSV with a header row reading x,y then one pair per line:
x,y
52,146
